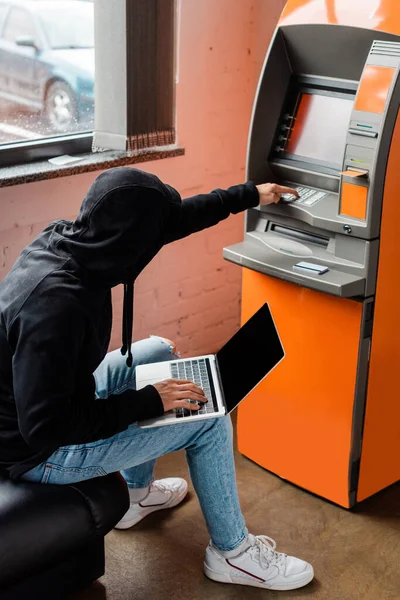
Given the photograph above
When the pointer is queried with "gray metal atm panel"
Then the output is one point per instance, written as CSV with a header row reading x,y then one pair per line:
x,y
324,215
323,50
277,69
263,260
277,243
381,155
330,52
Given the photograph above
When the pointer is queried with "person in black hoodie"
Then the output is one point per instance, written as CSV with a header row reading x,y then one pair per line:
x,y
69,411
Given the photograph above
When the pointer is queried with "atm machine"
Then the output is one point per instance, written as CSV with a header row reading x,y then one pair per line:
x,y
326,121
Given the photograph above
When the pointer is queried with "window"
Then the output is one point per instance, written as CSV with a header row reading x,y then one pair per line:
x,y
46,74
3,14
19,24
68,33
47,64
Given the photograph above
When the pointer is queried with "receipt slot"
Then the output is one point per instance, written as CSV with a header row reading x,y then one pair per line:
x,y
327,123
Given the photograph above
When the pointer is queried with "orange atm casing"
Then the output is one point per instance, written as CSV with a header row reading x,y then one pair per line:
x,y
304,425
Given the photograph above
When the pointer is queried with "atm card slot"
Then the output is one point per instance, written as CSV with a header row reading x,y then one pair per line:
x,y
355,173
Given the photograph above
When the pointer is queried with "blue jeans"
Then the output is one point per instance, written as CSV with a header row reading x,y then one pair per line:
x,y
208,445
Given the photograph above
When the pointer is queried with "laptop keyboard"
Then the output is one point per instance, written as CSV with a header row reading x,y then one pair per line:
x,y
197,370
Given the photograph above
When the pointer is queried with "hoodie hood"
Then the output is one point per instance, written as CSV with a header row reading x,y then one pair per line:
x,y
122,224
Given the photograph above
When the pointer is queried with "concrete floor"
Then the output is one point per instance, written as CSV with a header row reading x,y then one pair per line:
x,y
356,555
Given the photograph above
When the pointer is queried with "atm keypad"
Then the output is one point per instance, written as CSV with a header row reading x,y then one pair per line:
x,y
308,197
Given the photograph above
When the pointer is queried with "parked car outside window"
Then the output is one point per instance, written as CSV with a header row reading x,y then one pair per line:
x,y
46,68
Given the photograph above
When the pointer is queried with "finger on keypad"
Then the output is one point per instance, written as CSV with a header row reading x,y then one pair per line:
x,y
282,189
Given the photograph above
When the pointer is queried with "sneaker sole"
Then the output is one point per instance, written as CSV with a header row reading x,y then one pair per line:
x,y
151,509
226,578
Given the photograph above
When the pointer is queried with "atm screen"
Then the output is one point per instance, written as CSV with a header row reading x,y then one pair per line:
x,y
320,128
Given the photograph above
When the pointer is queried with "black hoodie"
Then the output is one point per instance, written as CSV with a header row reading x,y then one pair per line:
x,y
56,312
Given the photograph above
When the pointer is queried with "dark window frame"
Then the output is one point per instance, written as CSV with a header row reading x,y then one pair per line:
x,y
155,105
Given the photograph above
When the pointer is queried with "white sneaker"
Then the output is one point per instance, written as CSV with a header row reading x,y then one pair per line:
x,y
258,565
164,493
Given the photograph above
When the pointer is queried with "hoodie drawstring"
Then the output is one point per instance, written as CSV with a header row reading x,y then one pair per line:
x,y
127,323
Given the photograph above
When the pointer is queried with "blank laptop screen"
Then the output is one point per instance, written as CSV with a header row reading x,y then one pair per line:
x,y
249,356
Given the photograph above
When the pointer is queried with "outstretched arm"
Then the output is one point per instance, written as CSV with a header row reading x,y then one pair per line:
x,y
205,210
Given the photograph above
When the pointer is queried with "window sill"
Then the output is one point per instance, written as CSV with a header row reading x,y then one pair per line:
x,y
99,161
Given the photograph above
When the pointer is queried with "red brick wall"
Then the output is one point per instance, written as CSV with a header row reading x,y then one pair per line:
x,y
188,292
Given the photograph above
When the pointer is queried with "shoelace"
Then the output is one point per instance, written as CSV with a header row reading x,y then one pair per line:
x,y
264,552
158,486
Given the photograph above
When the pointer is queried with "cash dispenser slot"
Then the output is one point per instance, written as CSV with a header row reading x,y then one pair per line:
x,y
297,234
270,261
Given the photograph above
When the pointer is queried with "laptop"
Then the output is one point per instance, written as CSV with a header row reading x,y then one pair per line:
x,y
226,377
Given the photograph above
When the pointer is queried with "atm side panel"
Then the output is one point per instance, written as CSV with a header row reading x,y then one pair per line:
x,y
298,422
380,458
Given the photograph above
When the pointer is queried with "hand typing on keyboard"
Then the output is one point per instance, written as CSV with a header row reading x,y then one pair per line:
x,y
197,370
180,393
271,193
